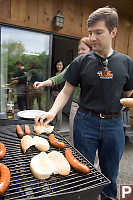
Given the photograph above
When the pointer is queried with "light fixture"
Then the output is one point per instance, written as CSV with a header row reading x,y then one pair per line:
x,y
58,20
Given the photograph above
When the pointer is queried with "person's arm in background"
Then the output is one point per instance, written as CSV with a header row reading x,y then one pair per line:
x,y
59,103
20,79
58,78
55,80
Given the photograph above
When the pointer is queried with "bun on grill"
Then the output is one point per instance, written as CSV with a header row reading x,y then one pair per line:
x,y
41,166
40,143
43,129
127,102
26,142
60,163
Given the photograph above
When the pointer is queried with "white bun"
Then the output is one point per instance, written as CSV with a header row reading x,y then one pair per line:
x,y
60,163
41,166
43,129
41,143
26,142
127,102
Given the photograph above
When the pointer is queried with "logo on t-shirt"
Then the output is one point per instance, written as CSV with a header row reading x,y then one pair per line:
x,y
105,74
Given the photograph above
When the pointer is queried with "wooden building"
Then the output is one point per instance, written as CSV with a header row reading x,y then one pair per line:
x,y
27,29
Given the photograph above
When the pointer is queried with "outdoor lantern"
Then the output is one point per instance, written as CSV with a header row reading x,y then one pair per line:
x,y
58,20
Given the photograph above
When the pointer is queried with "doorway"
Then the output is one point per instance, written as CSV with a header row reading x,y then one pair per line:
x,y
65,49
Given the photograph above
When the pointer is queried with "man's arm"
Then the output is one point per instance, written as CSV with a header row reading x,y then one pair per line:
x,y
19,79
55,80
39,84
59,103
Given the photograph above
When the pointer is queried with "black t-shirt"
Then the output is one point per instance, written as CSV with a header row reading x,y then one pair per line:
x,y
101,94
20,73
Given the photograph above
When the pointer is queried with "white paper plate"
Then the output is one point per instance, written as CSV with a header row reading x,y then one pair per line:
x,y
30,114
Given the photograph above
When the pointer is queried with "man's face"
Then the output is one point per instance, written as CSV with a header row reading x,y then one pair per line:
x,y
18,66
59,66
100,37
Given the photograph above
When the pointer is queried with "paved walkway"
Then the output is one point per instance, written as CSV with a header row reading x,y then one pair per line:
x,y
126,164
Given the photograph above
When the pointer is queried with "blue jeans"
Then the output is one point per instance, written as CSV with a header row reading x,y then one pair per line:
x,y
106,135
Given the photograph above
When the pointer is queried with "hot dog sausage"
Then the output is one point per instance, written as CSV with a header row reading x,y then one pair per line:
x,y
4,178
19,131
27,129
76,164
2,150
56,143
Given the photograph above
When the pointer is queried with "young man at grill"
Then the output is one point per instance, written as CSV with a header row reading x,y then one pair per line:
x,y
105,76
83,48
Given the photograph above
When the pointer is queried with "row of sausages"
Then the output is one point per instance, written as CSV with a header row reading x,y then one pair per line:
x,y
20,132
53,141
56,143
4,171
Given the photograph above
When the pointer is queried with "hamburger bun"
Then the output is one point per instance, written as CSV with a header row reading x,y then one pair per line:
x,y
41,143
43,129
60,163
41,166
26,142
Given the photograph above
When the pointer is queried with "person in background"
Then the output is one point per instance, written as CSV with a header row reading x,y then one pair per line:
x,y
55,91
105,76
83,48
20,85
32,75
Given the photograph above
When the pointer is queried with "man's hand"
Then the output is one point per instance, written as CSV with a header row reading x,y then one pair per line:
x,y
15,81
125,109
15,78
47,116
37,84
58,105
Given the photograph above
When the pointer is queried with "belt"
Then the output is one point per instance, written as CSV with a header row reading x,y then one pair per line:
x,y
101,115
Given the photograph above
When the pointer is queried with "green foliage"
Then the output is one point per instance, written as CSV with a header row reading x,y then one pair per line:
x,y
13,52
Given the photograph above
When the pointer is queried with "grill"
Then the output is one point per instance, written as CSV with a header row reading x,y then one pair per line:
x,y
24,186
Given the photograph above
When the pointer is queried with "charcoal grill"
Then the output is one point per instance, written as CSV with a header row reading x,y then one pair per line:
x,y
23,185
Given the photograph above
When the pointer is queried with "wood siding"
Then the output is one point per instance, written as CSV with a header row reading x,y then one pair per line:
x,y
122,39
38,14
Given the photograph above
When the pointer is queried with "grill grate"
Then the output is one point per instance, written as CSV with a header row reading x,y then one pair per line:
x,y
24,186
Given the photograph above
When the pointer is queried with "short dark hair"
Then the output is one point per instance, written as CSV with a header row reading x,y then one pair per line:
x,y
57,61
19,63
107,14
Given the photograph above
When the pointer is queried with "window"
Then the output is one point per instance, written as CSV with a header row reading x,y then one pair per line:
x,y
25,59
